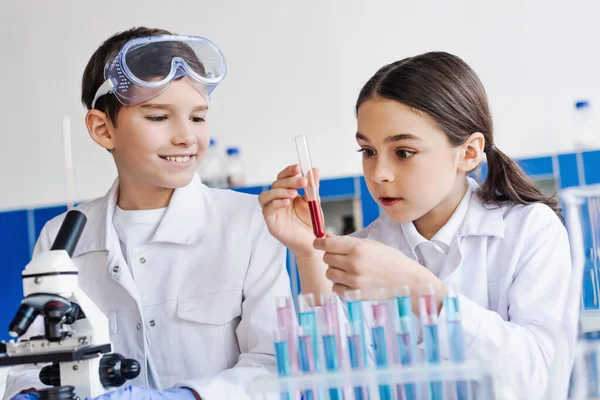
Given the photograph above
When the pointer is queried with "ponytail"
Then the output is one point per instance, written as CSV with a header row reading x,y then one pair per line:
x,y
506,181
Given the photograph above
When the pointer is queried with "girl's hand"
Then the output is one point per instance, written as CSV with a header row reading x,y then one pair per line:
x,y
366,265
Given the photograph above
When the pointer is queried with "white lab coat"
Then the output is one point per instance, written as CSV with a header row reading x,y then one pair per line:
x,y
206,298
512,268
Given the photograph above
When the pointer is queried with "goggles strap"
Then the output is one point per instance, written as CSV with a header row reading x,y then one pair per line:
x,y
105,88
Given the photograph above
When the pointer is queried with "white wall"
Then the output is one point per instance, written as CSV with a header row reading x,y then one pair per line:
x,y
293,67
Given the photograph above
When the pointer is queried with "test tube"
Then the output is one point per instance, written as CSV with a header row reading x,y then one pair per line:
x,y
355,314
312,192
306,356
282,357
329,303
380,342
429,319
285,320
308,319
456,340
355,332
332,359
406,336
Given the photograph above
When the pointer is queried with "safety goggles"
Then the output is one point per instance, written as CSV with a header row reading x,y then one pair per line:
x,y
145,66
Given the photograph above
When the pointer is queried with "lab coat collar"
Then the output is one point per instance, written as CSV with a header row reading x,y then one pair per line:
x,y
449,231
412,236
481,219
471,218
185,221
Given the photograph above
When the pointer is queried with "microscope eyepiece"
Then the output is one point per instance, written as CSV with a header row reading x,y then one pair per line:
x,y
69,232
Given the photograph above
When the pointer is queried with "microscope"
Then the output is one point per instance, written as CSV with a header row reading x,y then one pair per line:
x,y
76,339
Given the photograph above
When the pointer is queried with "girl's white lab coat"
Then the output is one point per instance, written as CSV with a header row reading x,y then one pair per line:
x,y
204,313
512,268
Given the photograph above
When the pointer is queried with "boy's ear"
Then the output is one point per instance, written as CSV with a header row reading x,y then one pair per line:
x,y
472,152
100,129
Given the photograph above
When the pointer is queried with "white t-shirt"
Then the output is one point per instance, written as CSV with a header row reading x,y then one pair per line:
x,y
135,228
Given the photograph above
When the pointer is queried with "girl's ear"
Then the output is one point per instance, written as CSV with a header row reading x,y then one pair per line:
x,y
471,152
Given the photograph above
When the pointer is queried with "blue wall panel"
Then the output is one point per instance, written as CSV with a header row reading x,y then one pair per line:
x,y
14,247
537,166
43,215
250,189
591,163
370,208
567,164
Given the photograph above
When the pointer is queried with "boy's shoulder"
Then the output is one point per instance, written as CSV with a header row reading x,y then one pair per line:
x,y
93,210
231,201
89,209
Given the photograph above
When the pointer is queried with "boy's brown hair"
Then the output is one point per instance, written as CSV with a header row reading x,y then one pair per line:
x,y
93,76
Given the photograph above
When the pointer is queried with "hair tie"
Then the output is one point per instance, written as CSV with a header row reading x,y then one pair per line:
x,y
492,147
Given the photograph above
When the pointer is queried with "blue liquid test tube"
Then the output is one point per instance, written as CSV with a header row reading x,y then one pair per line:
x,y
355,331
329,305
355,314
456,340
306,357
428,311
282,357
332,359
380,344
285,320
407,339
308,319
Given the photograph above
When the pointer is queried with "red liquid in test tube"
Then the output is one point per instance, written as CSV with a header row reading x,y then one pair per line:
x,y
312,192
316,218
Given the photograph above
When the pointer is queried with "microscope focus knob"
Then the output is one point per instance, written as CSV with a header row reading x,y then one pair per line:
x,y
115,370
50,375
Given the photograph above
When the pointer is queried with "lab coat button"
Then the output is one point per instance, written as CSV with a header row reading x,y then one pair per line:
x,y
116,269
152,323
142,260
138,326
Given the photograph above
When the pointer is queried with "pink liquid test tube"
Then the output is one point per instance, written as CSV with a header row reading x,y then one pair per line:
x,y
312,192
329,303
382,316
285,320
381,338
428,311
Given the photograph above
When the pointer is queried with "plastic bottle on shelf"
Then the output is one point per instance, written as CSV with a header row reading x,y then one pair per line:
x,y
212,167
585,135
236,176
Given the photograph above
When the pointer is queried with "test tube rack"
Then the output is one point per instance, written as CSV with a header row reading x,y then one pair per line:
x,y
471,371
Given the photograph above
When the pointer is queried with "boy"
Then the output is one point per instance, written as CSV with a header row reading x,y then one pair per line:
x,y
186,275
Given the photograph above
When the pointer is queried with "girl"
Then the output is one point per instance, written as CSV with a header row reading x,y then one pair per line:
x,y
423,124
